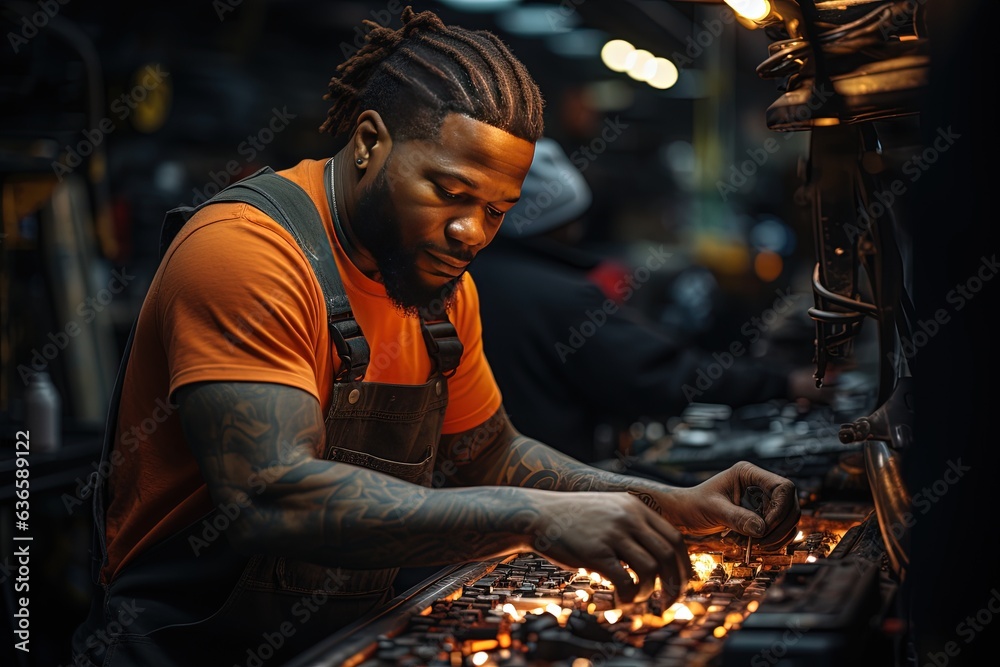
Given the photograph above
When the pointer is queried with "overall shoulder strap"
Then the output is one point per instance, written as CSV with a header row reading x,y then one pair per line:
x,y
289,205
176,218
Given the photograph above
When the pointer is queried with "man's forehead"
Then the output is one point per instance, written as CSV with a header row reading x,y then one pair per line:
x,y
466,142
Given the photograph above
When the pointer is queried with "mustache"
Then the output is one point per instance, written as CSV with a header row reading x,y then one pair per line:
x,y
457,255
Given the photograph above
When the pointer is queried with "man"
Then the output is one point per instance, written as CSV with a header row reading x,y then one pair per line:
x,y
555,389
276,503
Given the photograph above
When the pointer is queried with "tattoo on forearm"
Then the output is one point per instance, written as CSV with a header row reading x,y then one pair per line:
x,y
648,500
496,454
262,441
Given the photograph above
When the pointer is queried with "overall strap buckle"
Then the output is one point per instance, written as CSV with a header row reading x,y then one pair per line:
x,y
443,345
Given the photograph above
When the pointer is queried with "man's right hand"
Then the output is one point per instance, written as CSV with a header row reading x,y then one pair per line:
x,y
601,531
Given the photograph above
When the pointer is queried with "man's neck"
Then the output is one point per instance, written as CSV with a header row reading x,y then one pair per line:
x,y
345,184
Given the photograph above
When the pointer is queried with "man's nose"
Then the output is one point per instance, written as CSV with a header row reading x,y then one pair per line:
x,y
469,229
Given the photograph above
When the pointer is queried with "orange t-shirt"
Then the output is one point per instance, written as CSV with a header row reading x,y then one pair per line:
x,y
235,300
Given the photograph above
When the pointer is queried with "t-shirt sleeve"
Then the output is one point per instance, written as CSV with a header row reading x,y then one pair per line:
x,y
237,303
473,394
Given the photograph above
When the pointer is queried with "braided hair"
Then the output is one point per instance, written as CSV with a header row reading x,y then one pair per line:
x,y
415,75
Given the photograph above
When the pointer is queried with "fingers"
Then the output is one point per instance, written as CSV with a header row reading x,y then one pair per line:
x,y
648,565
612,569
778,537
672,544
646,568
632,534
659,551
652,548
781,511
782,516
783,501
742,520
671,555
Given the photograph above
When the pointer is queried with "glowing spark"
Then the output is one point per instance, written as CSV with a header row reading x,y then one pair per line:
x,y
681,612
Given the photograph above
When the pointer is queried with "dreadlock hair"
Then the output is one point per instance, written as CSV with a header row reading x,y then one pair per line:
x,y
415,75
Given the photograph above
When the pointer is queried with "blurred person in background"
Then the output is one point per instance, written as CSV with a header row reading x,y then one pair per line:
x,y
568,351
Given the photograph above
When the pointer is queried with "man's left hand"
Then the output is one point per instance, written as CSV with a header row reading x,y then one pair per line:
x,y
714,505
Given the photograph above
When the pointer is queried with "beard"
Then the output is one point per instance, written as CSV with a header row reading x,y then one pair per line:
x,y
377,227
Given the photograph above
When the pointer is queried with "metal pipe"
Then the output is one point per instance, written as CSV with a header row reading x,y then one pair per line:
x,y
892,502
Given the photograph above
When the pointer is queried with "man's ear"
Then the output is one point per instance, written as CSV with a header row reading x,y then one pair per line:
x,y
371,143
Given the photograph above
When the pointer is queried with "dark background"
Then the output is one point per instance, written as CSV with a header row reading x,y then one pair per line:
x,y
231,65
231,68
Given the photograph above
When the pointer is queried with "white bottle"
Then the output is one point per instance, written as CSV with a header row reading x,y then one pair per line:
x,y
42,413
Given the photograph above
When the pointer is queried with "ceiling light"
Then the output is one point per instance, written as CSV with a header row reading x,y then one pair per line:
x,y
637,64
752,10
615,54
665,74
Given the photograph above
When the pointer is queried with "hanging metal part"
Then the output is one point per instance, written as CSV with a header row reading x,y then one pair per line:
x,y
832,183
892,422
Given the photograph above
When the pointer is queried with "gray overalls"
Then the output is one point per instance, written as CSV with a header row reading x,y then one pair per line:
x,y
220,608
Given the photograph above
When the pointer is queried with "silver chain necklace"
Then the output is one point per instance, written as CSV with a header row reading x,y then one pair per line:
x,y
338,228
333,195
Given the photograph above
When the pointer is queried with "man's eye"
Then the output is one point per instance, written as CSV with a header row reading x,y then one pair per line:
x,y
494,212
448,195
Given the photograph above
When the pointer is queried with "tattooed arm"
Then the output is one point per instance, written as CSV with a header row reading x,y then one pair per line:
x,y
495,453
257,444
